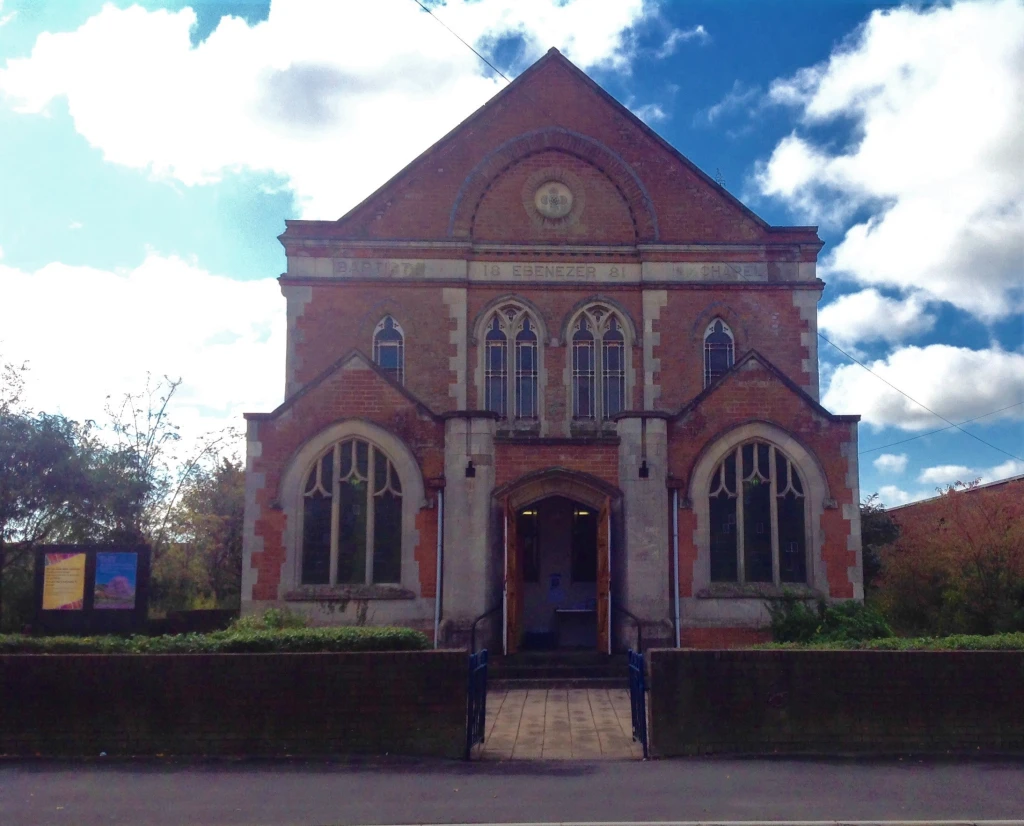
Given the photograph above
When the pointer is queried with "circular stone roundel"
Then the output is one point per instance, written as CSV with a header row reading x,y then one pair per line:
x,y
553,199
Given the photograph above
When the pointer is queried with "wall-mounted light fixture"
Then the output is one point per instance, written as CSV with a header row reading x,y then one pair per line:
x,y
470,469
644,470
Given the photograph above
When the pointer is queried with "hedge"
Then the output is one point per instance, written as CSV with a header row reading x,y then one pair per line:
x,y
231,641
1013,641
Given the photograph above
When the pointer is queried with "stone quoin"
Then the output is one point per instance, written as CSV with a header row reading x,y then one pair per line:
x,y
559,355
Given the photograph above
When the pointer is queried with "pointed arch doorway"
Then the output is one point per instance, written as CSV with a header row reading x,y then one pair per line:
x,y
557,561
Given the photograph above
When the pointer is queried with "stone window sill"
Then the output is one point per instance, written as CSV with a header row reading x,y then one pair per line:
x,y
757,590
341,593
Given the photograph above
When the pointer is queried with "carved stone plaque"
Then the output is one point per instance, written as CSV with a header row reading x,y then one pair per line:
x,y
553,199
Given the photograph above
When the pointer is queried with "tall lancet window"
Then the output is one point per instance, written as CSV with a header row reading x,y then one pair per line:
x,y
583,371
496,368
526,372
389,348
600,360
613,368
718,350
512,379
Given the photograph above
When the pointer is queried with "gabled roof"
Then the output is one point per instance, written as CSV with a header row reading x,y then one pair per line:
x,y
786,381
469,128
352,355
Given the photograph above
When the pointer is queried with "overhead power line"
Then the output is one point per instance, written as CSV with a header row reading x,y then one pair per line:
x,y
920,404
463,42
940,430
502,75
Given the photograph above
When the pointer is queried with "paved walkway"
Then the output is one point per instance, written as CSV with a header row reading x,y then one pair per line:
x,y
559,724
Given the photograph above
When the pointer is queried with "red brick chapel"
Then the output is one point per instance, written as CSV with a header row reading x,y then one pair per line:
x,y
553,373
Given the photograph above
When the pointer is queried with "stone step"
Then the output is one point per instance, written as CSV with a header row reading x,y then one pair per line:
x,y
502,684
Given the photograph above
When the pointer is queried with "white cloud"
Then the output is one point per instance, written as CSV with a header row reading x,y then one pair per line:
x,y
936,98
891,495
677,36
869,316
225,338
957,382
650,112
891,463
75,225
948,474
6,18
739,96
334,97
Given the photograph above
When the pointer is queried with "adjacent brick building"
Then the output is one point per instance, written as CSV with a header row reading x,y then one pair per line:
x,y
555,353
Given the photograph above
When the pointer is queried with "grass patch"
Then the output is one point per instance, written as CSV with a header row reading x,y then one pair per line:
x,y
234,640
1012,641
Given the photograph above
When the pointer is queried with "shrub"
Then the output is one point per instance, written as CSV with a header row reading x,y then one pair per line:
x,y
957,642
958,564
792,620
231,641
273,619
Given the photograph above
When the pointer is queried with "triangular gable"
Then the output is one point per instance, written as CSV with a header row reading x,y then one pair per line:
x,y
744,363
552,103
354,356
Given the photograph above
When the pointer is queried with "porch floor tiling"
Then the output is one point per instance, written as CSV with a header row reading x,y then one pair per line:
x,y
559,724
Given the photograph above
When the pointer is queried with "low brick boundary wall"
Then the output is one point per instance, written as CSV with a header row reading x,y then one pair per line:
x,y
410,702
834,702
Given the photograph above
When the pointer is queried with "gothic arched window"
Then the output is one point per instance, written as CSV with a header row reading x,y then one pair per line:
x,y
389,348
758,518
352,517
511,393
598,384
718,350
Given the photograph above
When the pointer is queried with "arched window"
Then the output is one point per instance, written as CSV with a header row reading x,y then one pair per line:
x,y
758,518
583,372
389,348
511,394
718,350
496,369
352,517
598,385
526,372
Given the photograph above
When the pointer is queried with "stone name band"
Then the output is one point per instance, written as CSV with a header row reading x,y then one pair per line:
x,y
440,269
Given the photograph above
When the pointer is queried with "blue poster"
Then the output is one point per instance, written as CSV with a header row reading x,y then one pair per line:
x,y
116,576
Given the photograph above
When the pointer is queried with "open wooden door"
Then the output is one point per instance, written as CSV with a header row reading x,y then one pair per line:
x,y
604,578
513,589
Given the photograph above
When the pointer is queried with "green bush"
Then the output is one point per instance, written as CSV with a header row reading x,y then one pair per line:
x,y
1013,641
793,620
231,641
273,619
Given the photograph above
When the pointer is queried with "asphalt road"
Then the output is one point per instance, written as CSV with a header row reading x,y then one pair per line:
x,y
218,793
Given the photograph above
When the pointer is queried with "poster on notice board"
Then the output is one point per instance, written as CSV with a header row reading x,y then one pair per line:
x,y
64,582
116,580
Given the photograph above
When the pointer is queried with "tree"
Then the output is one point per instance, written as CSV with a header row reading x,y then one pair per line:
x,y
958,564
877,530
205,558
159,461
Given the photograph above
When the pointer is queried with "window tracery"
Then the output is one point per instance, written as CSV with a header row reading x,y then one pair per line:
x,y
352,517
511,391
718,350
598,384
757,509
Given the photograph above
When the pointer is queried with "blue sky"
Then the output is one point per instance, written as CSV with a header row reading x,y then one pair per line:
x,y
150,153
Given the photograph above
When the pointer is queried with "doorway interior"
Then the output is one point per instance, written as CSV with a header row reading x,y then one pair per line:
x,y
557,548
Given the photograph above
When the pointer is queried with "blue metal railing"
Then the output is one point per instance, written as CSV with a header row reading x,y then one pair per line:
x,y
476,700
638,697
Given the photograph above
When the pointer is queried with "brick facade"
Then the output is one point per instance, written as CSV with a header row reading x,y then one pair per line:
x,y
462,234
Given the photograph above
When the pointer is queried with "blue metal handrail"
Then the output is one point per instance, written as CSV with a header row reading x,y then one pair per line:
x,y
638,698
476,701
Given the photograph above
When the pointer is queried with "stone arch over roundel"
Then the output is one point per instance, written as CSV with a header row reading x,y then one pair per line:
x,y
572,484
498,160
